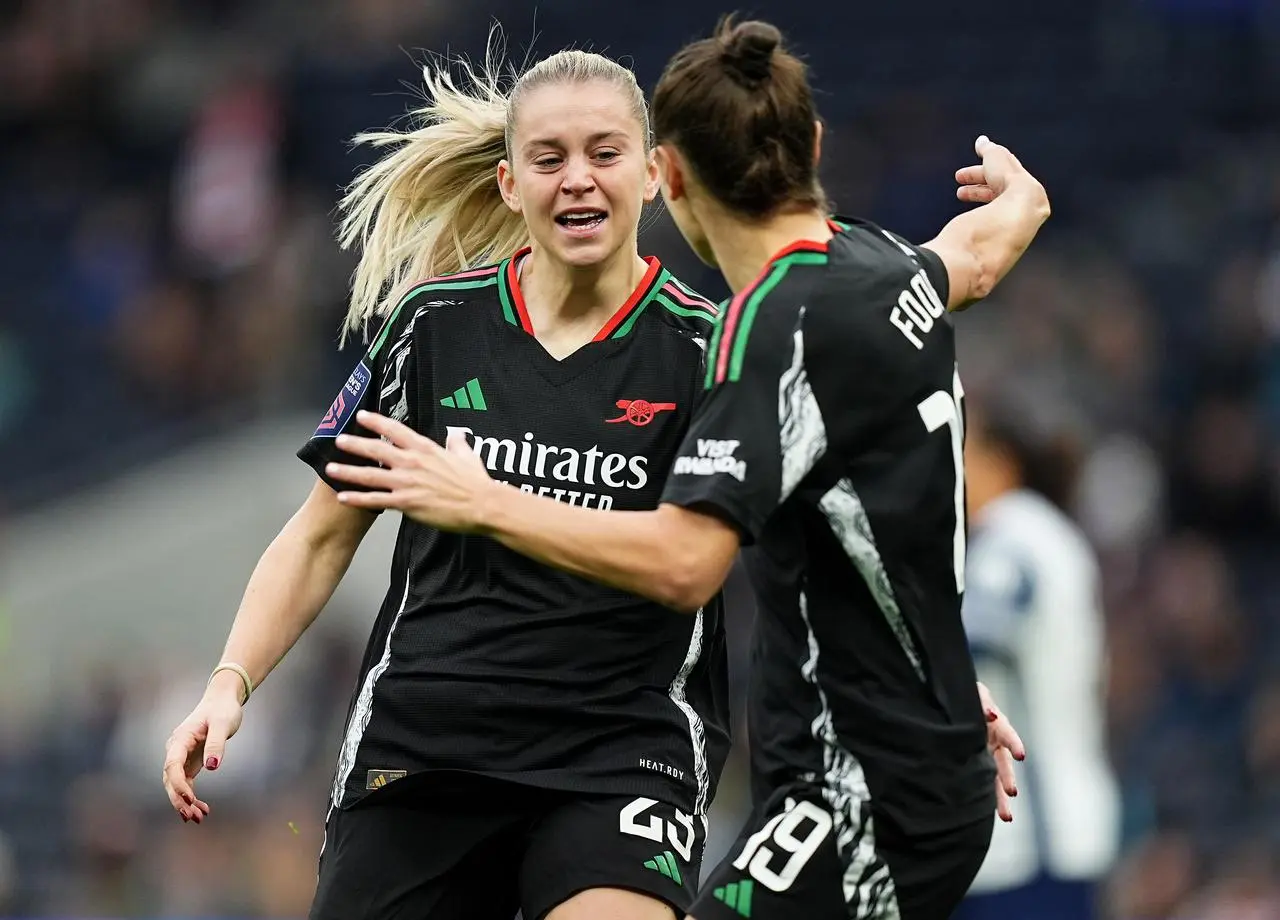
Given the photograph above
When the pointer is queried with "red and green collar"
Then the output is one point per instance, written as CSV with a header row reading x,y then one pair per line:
x,y
623,319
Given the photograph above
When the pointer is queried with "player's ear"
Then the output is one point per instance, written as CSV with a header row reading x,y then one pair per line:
x,y
652,178
670,172
817,142
507,186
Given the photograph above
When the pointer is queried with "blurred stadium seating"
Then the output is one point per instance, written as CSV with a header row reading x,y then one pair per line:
x,y
168,317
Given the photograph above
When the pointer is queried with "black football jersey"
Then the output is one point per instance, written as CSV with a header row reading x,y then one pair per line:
x,y
832,436
481,659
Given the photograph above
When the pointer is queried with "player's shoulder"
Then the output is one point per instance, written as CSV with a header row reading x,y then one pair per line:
x,y
759,323
778,295
681,310
872,251
461,286
871,237
418,298
884,293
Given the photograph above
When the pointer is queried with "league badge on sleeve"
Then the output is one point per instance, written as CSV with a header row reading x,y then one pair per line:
x,y
344,406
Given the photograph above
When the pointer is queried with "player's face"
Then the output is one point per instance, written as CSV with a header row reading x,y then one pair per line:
x,y
579,173
676,184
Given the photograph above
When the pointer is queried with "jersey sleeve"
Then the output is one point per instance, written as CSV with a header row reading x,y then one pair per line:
x,y
752,438
379,383
930,261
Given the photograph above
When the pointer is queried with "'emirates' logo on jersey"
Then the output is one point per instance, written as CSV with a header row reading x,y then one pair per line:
x,y
568,465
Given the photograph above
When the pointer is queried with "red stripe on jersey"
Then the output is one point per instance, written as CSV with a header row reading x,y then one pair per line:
x,y
476,273
675,291
623,311
517,296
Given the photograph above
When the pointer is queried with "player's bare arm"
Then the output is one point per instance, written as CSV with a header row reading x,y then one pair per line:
x,y
672,555
293,580
981,246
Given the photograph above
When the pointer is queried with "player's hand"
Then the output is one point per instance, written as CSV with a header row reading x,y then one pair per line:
x,y
1005,747
198,742
438,486
998,171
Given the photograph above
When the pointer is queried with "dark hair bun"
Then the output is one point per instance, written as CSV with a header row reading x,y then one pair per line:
x,y
748,51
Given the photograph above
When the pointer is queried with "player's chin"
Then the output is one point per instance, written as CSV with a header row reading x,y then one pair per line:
x,y
584,252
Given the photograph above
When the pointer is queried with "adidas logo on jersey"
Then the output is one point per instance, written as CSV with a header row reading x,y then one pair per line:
x,y
376,779
665,863
467,396
590,467
736,895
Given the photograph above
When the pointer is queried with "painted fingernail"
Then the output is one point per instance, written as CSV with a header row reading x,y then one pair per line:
x,y
212,763
991,715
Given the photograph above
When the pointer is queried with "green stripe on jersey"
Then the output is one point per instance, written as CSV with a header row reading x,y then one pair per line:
x,y
504,295
436,284
743,333
713,347
682,310
650,294
631,321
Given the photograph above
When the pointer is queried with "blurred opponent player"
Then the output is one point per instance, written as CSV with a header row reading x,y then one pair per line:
x,y
1032,612
520,738
831,438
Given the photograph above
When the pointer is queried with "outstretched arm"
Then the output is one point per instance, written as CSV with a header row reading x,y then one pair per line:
x,y
673,555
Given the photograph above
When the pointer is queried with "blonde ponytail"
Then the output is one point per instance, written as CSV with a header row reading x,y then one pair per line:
x,y
431,206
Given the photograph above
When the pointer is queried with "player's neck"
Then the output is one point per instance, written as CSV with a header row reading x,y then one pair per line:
x,y
568,305
743,247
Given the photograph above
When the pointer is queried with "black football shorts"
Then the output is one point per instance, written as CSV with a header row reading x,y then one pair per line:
x,y
800,859
441,846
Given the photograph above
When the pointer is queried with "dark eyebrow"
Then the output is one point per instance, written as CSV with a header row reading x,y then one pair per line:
x,y
596,138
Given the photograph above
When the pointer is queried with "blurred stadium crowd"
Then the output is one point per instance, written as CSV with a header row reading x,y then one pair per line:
x,y
168,173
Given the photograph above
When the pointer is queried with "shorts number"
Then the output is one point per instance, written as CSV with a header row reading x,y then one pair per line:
x,y
943,408
781,832
652,830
